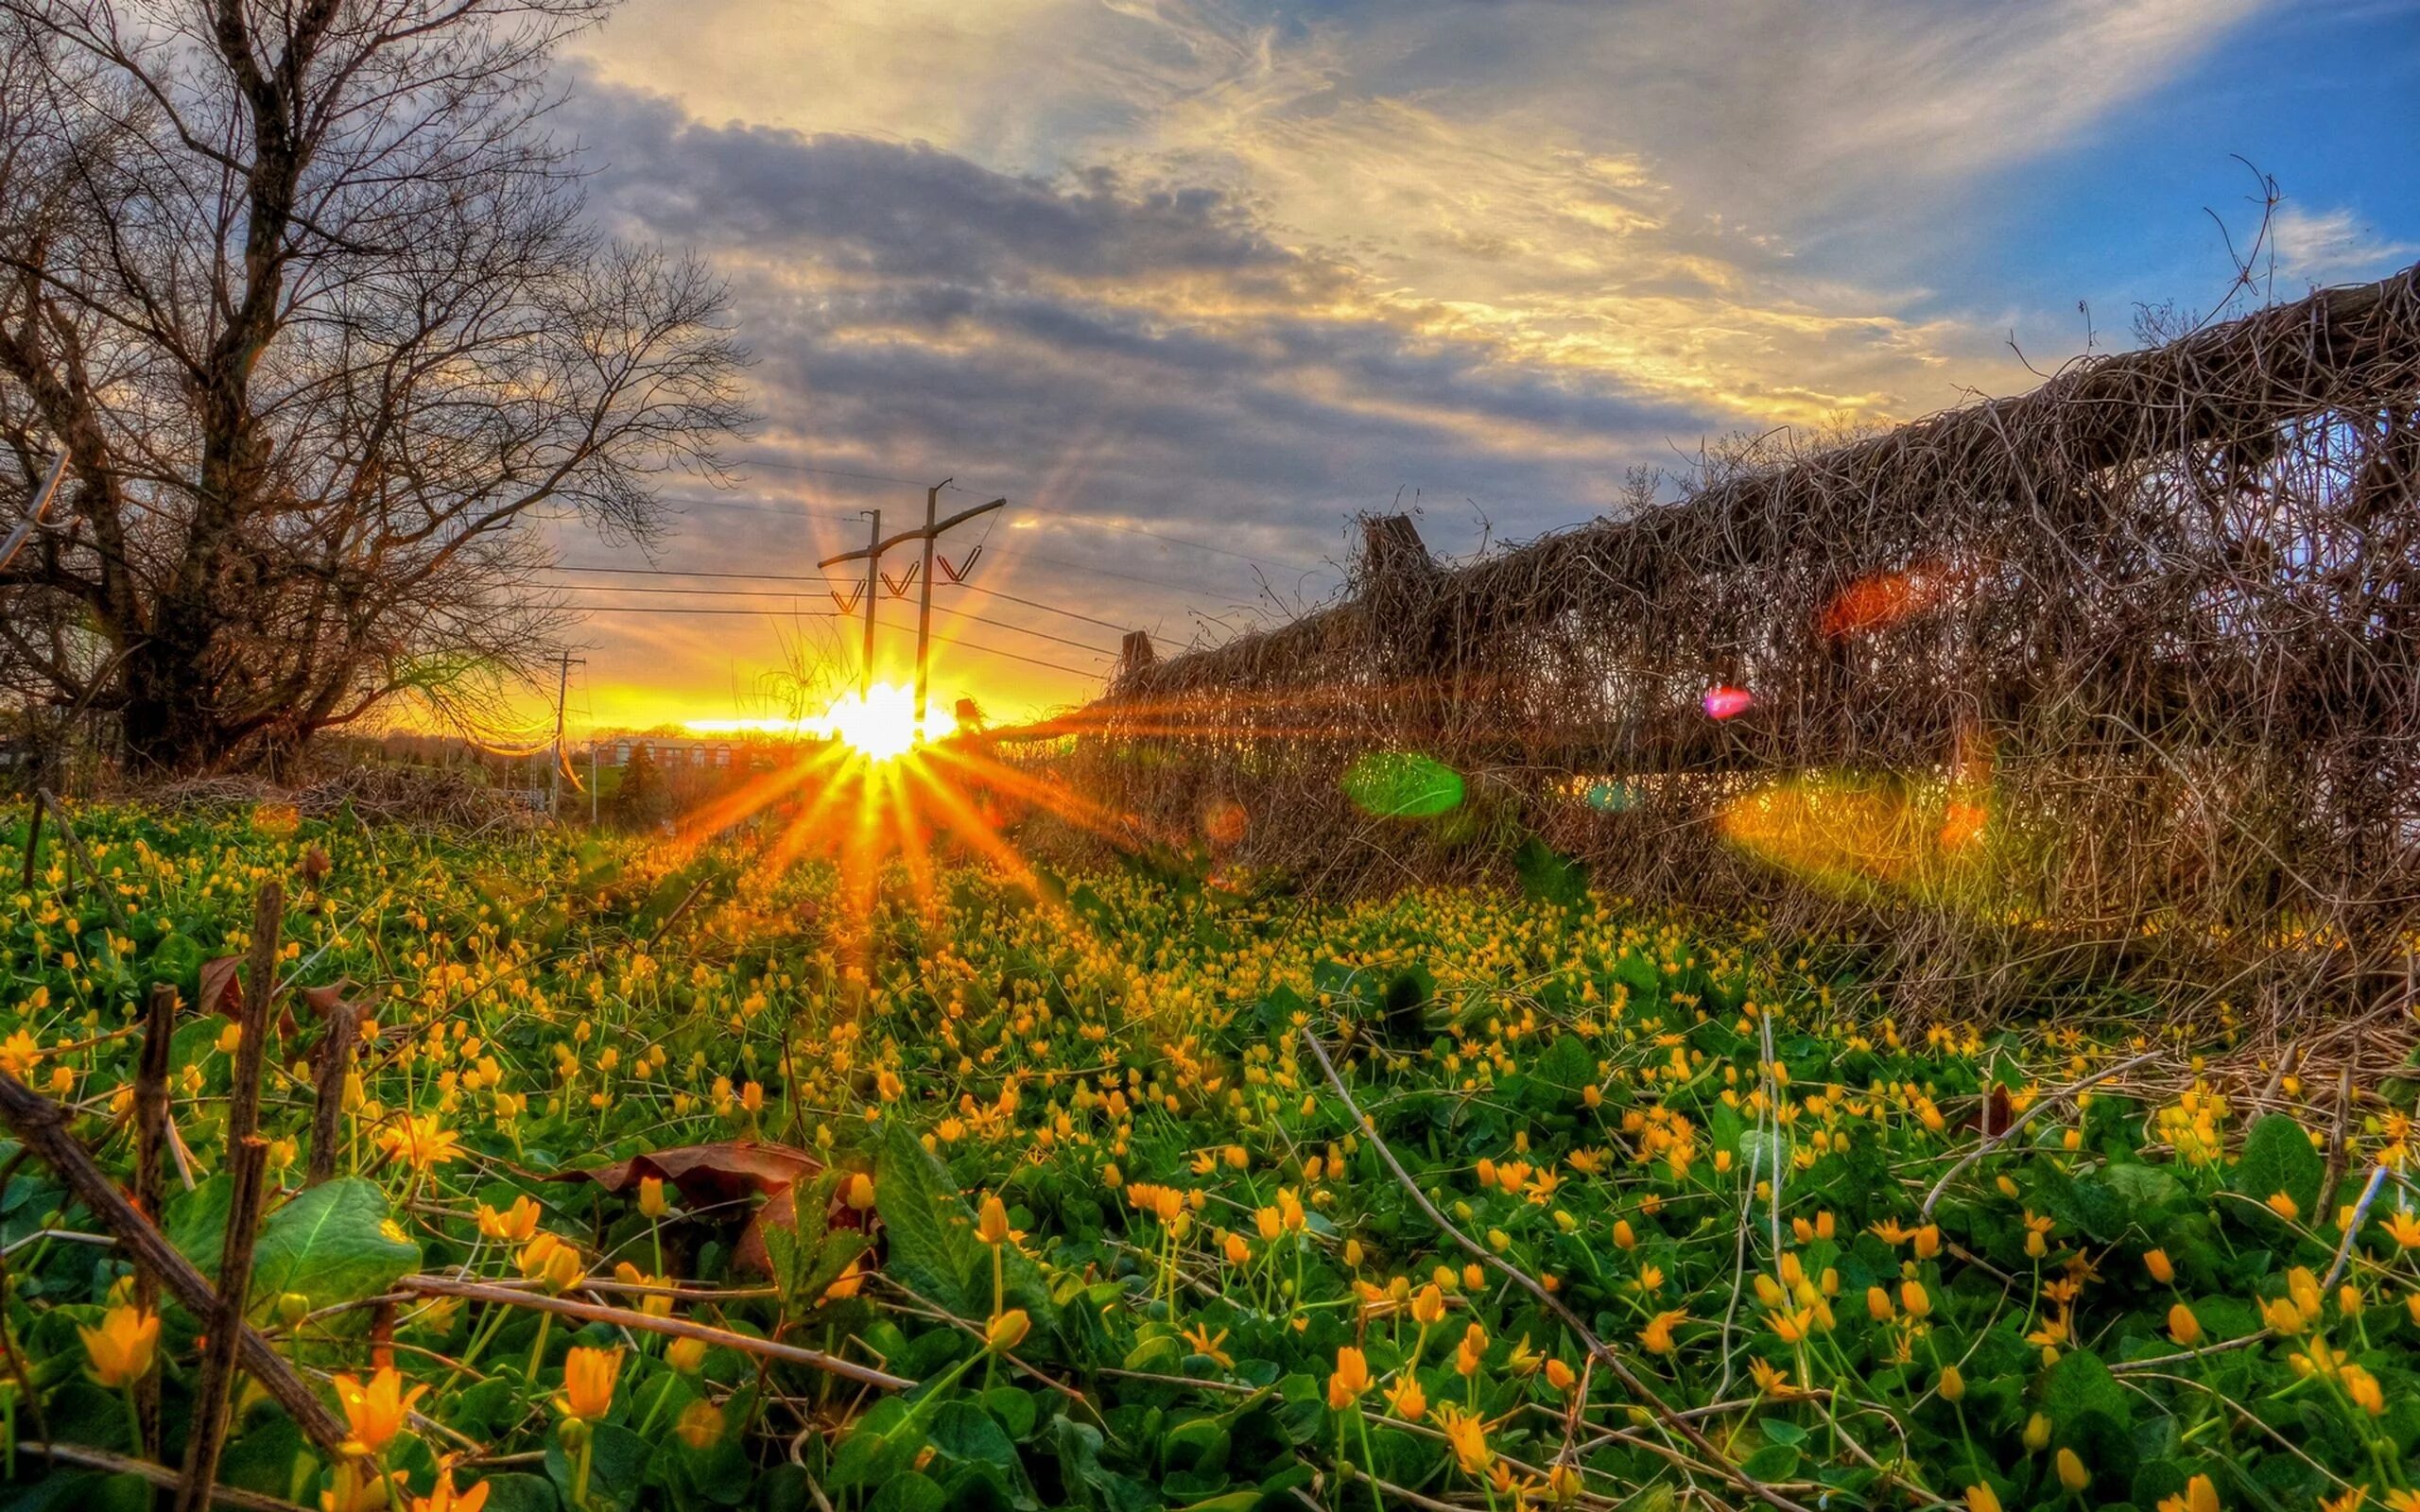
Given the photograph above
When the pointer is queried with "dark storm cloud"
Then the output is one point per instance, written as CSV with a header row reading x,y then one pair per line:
x,y
1092,348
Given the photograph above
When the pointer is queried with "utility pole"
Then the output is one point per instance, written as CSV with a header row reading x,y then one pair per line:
x,y
931,533
563,689
874,565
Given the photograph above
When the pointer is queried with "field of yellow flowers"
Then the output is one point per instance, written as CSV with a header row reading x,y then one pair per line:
x,y
659,1180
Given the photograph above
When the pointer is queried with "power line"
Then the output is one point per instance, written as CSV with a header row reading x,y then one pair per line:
x,y
675,609
678,572
776,592
819,578
1019,656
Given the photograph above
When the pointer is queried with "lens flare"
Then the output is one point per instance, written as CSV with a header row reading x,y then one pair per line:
x,y
1396,784
1722,701
880,723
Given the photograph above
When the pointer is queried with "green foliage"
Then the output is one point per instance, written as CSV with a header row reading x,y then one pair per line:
x,y
1201,1227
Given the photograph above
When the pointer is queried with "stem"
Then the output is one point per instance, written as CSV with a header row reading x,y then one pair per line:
x,y
538,1350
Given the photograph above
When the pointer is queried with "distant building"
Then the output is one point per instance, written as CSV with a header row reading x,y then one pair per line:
x,y
701,753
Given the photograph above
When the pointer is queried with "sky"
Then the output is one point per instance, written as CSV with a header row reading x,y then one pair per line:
x,y
1193,284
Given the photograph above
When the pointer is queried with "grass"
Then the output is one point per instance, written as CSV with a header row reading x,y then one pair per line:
x,y
1078,1173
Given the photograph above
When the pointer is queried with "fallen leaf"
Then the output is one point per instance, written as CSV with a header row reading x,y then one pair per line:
x,y
708,1174
220,991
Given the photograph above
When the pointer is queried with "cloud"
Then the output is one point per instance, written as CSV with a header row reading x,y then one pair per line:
x,y
1230,270
2333,246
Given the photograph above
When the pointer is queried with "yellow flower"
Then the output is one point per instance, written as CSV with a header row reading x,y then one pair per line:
x,y
375,1413
1350,1379
2281,1314
1877,1305
548,1259
1953,1383
1407,1401
2404,1227
2071,1471
1468,1436
589,1375
651,1199
1982,1498
353,1488
857,1192
1913,1296
1561,1376
1207,1345
1472,1350
2037,1434
2182,1326
2157,1262
121,1349
686,1355
1238,1250
991,1223
447,1499
2284,1206
654,1304
2363,1388
701,1425
421,1140
18,1052
1657,1338
1008,1330
2198,1496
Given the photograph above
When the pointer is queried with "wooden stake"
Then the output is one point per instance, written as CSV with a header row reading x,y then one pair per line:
x,y
42,1125
248,1167
33,839
150,1136
335,1062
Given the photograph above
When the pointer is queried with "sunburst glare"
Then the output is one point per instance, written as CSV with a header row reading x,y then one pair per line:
x,y
880,722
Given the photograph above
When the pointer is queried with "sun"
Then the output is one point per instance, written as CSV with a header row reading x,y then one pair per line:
x,y
880,723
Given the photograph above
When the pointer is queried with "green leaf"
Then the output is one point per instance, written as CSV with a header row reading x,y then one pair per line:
x,y
930,1228
520,1493
2277,1157
616,1467
910,1492
964,1431
332,1243
1774,1462
933,1249
1549,877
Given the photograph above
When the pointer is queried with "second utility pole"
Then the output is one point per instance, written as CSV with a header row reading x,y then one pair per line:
x,y
873,566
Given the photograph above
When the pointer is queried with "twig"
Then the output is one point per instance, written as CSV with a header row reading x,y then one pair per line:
x,y
677,1328
84,860
101,1459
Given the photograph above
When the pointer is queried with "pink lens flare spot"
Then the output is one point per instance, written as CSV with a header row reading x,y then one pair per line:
x,y
1722,701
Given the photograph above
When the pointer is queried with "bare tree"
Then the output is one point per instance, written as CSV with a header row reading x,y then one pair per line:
x,y
305,291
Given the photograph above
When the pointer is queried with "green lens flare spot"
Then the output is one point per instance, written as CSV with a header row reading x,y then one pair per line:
x,y
1394,785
